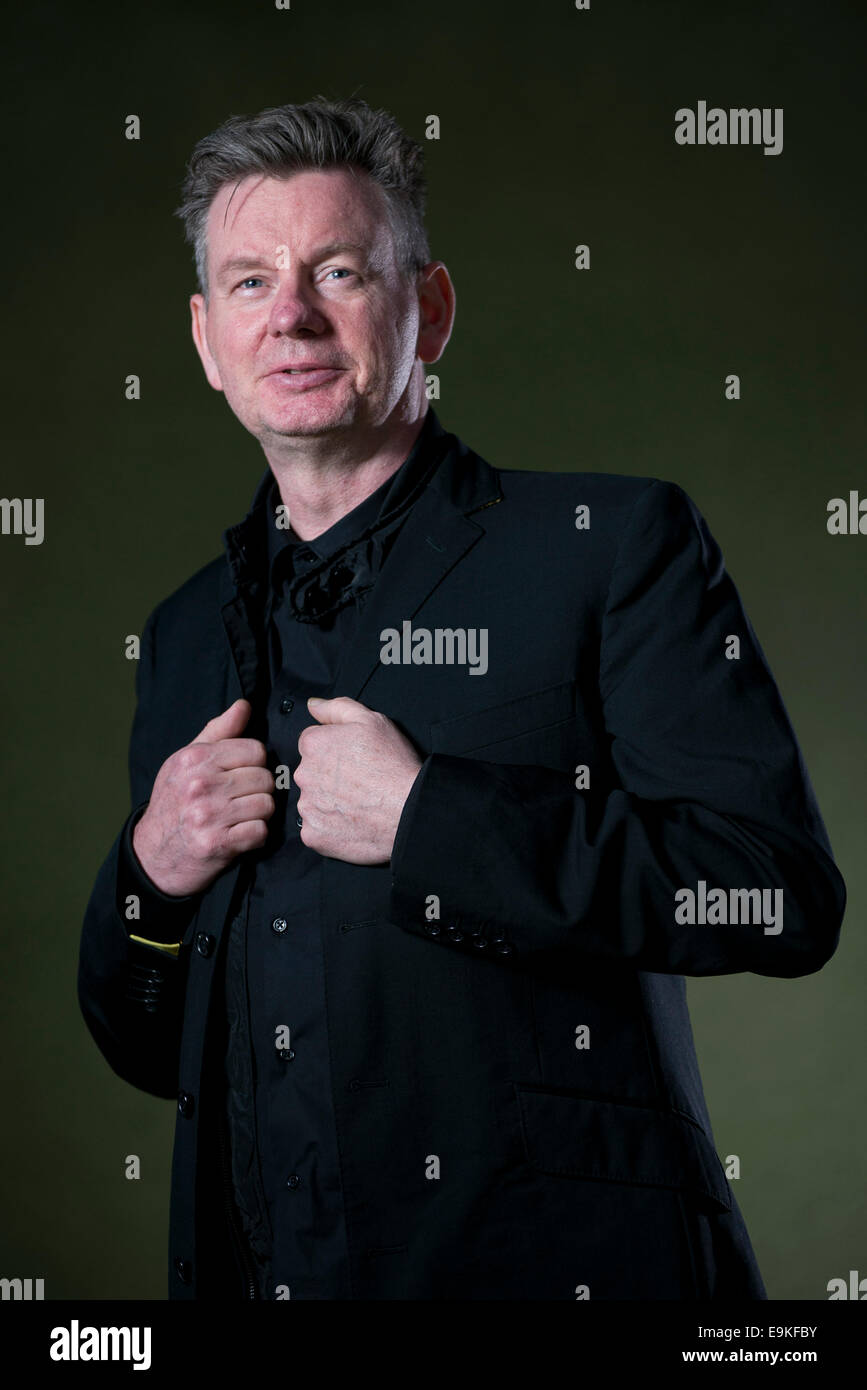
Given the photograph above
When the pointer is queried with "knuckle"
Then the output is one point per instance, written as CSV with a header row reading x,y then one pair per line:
x,y
199,816
188,758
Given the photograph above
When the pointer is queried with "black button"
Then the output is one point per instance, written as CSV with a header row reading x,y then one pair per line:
x,y
305,554
293,1180
299,822
186,1104
184,1271
205,943
432,928
480,943
455,934
279,925
285,1053
287,706
504,949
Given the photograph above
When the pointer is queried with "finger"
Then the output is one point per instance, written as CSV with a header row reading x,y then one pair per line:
x,y
341,710
246,835
229,724
246,781
250,808
241,752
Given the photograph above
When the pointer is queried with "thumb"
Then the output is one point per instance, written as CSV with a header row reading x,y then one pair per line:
x,y
229,724
340,710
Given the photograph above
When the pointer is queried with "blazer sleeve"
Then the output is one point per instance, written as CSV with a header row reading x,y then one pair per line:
x,y
131,968
711,793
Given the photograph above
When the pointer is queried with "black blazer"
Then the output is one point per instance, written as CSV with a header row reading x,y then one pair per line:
x,y
515,974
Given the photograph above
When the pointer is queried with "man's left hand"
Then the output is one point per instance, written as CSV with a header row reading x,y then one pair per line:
x,y
355,774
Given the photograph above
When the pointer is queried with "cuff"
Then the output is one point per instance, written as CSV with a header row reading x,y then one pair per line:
x,y
440,850
161,918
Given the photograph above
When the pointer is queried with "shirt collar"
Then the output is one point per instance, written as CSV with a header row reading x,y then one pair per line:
x,y
384,499
244,542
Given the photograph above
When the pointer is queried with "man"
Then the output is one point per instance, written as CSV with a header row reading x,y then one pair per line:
x,y
409,955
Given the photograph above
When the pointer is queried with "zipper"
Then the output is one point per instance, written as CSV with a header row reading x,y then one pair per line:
x,y
241,1247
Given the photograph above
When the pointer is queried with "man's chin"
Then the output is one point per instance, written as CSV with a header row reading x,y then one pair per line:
x,y
307,429
307,423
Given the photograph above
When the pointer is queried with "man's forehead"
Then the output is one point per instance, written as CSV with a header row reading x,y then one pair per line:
x,y
304,202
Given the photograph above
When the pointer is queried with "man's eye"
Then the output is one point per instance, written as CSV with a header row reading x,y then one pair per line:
x,y
339,270
251,279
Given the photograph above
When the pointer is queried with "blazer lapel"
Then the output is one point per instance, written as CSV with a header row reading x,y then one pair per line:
x,y
435,537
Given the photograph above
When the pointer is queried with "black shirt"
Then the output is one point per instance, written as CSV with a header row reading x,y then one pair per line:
x,y
284,1159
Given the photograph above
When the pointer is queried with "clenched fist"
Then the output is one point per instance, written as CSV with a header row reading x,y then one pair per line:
x,y
356,772
210,802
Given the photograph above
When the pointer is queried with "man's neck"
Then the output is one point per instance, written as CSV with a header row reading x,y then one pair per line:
x,y
319,487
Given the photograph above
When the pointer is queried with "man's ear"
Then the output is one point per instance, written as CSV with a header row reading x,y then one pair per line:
x,y
199,312
436,302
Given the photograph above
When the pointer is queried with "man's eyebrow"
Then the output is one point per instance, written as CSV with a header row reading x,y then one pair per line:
x,y
333,247
236,263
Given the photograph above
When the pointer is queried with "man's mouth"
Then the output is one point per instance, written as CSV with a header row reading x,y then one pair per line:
x,y
306,367
313,374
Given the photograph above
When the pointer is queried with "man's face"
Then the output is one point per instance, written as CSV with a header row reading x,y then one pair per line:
x,y
302,273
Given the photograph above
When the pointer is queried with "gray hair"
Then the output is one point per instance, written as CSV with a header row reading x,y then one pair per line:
x,y
320,134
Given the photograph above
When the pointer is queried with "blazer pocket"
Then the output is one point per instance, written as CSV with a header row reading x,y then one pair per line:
x,y
484,728
578,1137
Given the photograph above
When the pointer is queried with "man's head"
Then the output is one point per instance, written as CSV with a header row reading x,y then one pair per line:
x,y
307,224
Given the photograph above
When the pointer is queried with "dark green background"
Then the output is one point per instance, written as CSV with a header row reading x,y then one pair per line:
x,y
557,128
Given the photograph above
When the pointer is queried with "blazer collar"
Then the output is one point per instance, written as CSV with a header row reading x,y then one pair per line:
x,y
435,536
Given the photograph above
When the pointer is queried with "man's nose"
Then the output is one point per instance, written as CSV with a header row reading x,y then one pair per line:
x,y
294,309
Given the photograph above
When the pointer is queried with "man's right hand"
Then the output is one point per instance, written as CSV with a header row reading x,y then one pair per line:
x,y
210,802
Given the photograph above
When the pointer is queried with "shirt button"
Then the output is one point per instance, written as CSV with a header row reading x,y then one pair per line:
x,y
293,1180
205,943
287,706
186,1104
184,1271
279,925
432,928
504,949
285,1053
305,554
299,822
455,934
